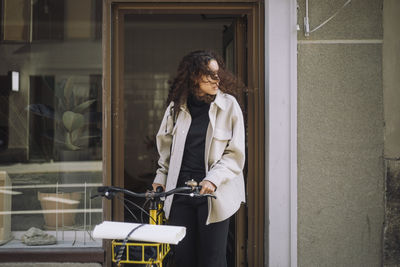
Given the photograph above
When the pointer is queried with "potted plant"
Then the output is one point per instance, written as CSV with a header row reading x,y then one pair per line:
x,y
76,138
63,203
73,116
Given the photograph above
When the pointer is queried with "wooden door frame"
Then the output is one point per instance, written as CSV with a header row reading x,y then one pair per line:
x,y
113,110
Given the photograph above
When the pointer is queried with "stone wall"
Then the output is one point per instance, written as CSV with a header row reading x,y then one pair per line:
x,y
340,135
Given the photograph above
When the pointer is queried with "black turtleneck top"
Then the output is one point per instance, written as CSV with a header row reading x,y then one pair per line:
x,y
193,165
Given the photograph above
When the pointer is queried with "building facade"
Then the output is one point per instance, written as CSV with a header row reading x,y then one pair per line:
x,y
83,89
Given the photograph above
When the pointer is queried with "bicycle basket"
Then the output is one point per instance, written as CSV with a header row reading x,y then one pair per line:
x,y
140,253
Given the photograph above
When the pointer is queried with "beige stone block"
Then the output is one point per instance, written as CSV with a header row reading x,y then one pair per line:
x,y
5,208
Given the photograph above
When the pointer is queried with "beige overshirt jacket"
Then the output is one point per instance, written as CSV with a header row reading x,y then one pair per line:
x,y
224,154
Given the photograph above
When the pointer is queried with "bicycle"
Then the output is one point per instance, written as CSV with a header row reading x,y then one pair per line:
x,y
148,253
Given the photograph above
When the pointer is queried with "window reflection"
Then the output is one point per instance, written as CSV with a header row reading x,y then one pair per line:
x,y
50,128
65,118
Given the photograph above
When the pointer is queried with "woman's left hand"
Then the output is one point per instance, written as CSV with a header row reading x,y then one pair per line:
x,y
207,187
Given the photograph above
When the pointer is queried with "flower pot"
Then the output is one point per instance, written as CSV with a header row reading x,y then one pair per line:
x,y
59,208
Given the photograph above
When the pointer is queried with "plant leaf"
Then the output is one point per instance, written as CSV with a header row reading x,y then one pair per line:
x,y
75,135
59,90
69,144
68,87
81,91
83,106
72,120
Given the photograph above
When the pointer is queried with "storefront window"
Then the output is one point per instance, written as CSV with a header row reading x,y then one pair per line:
x,y
50,122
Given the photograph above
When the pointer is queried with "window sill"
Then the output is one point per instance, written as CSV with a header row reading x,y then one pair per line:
x,y
65,239
52,255
73,247
71,166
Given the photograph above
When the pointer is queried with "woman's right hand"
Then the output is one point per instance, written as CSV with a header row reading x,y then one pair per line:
x,y
155,185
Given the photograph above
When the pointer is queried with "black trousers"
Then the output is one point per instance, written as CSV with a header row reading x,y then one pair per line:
x,y
204,245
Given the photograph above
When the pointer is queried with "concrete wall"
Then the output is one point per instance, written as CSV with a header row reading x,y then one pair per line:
x,y
391,93
340,136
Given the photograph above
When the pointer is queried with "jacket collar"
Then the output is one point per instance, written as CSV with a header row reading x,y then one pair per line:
x,y
219,100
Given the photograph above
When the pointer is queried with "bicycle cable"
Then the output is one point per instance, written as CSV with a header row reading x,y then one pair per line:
x,y
143,210
126,207
122,248
122,200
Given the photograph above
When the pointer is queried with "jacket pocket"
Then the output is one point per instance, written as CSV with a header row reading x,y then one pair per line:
x,y
222,135
219,143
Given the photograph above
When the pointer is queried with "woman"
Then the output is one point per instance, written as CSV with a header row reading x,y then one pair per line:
x,y
202,137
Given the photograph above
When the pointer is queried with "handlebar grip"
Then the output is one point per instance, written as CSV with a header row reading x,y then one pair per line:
x,y
159,189
102,189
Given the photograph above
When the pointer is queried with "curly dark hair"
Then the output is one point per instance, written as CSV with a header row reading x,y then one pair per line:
x,y
191,68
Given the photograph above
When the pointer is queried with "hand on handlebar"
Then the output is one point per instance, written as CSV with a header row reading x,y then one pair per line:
x,y
155,185
207,187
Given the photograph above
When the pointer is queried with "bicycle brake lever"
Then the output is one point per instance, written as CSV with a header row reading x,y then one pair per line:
x,y
198,195
106,192
109,194
209,195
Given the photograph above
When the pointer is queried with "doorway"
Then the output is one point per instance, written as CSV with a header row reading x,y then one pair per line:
x,y
154,44
148,42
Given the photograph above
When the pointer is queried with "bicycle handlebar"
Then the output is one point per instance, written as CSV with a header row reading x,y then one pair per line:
x,y
110,191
